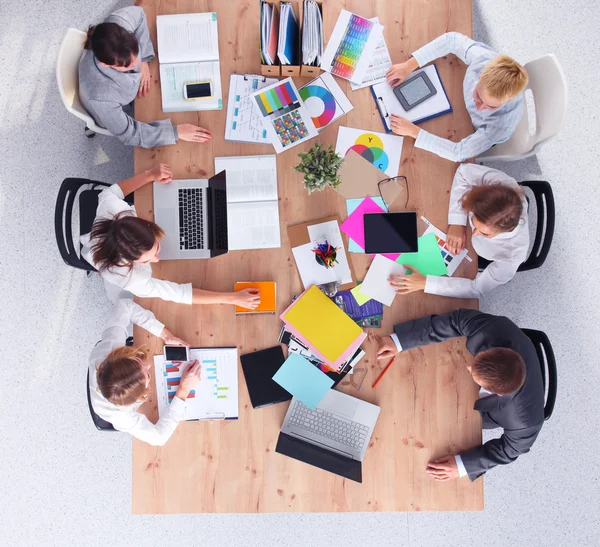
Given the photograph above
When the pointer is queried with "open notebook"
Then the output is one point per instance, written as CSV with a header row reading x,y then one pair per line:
x,y
252,201
188,51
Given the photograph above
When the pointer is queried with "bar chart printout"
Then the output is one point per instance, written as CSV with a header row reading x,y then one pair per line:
x,y
214,397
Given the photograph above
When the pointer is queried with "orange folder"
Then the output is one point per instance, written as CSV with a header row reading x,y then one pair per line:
x,y
268,296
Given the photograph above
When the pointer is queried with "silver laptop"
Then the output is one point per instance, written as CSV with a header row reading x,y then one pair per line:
x,y
334,436
193,215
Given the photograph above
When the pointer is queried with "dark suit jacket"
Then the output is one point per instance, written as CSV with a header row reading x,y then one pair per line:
x,y
520,414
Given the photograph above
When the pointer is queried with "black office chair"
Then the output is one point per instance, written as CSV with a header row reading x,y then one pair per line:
x,y
544,199
545,355
63,213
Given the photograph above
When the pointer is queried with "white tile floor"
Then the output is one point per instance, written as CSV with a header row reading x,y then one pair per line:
x,y
63,483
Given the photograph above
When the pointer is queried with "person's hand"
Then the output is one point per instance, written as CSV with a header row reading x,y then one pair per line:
x,y
386,349
405,284
193,133
189,380
247,298
144,80
443,469
171,340
457,237
161,172
398,73
401,126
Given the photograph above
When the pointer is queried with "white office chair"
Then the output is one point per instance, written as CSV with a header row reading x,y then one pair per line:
x,y
67,78
548,86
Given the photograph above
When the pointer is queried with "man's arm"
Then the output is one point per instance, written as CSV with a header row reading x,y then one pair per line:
x,y
451,42
500,451
437,328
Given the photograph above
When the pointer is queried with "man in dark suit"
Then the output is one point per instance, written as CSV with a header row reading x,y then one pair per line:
x,y
506,367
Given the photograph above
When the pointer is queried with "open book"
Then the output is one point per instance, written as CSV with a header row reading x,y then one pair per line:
x,y
188,51
252,201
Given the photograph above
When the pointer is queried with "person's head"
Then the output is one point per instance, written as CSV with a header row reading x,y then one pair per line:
x,y
499,370
501,80
124,241
124,376
113,46
495,208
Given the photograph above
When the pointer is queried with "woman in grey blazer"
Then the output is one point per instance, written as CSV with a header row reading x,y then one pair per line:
x,y
113,70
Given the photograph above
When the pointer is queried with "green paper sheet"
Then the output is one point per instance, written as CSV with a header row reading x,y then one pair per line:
x,y
428,260
358,296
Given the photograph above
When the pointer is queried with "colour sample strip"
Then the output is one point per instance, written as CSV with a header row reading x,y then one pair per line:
x,y
276,98
351,47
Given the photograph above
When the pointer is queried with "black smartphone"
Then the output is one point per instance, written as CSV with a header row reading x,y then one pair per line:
x,y
197,90
177,353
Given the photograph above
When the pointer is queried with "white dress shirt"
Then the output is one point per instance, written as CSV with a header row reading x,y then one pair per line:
x,y
507,251
462,472
127,418
138,280
491,126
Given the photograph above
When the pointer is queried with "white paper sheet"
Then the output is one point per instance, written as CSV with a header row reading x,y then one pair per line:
x,y
376,284
389,104
187,37
249,178
379,64
383,151
173,77
253,225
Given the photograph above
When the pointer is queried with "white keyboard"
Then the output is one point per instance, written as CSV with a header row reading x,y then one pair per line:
x,y
329,425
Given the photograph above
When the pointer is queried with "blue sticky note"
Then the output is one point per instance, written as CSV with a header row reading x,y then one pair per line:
x,y
303,380
352,204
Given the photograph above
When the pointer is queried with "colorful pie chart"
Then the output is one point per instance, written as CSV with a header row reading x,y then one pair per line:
x,y
320,104
370,147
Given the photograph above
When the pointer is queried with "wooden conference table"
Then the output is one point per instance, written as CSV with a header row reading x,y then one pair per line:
x,y
426,398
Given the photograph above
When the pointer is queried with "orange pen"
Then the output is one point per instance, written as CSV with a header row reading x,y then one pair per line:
x,y
383,372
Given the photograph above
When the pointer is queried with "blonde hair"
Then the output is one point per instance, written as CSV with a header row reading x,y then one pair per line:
x,y
121,379
503,78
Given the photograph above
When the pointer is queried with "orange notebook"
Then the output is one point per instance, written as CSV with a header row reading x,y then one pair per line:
x,y
268,297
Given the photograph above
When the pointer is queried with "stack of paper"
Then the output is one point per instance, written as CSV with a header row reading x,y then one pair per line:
x,y
287,49
326,330
312,34
269,30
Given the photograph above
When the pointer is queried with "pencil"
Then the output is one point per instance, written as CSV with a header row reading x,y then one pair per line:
x,y
383,372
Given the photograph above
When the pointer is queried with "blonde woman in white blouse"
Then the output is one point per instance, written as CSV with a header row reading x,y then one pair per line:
x,y
122,247
120,376
495,207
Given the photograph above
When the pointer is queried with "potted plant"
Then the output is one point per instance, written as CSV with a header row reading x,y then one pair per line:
x,y
320,168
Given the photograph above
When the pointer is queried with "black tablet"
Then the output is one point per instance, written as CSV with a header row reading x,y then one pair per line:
x,y
390,233
414,91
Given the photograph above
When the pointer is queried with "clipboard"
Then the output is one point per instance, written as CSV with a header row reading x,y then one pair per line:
x,y
384,112
298,235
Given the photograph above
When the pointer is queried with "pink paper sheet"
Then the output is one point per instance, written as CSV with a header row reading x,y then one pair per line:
x,y
354,225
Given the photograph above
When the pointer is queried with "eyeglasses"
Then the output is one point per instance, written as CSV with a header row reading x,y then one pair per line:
x,y
391,188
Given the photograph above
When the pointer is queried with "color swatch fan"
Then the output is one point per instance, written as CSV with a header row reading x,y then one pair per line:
x,y
285,118
324,100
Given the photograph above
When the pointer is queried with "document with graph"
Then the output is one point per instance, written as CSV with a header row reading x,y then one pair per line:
x,y
216,395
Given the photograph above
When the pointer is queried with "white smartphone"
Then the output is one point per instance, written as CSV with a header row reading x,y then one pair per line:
x,y
194,91
177,353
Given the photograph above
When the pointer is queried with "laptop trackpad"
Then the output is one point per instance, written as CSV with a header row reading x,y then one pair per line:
x,y
343,406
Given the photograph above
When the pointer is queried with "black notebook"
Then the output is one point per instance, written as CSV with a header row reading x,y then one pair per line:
x,y
259,368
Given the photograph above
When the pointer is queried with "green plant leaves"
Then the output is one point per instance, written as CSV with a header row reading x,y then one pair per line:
x,y
320,168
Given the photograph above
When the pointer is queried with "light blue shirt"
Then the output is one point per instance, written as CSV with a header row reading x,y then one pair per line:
x,y
491,126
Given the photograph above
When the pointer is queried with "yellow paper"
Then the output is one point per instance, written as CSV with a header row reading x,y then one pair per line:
x,y
323,324
358,296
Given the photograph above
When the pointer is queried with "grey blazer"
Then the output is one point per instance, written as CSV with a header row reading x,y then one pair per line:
x,y
520,414
104,91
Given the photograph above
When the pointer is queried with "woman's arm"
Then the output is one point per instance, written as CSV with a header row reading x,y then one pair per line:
x,y
161,173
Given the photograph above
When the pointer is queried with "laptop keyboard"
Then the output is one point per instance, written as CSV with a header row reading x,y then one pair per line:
x,y
220,212
327,425
191,219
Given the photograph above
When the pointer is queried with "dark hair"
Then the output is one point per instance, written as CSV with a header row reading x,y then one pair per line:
x,y
112,44
120,377
499,370
122,240
497,205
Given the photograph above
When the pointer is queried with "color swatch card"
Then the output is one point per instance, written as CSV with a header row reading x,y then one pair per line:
x,y
376,284
428,260
304,381
351,46
379,64
324,100
452,261
284,116
383,151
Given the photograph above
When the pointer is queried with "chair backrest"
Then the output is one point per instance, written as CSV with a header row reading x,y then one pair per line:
x,y
63,217
101,425
548,87
547,361
67,77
